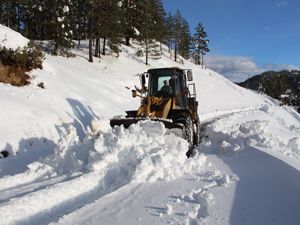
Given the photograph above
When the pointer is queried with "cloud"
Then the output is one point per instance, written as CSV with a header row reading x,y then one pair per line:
x,y
281,3
274,67
239,68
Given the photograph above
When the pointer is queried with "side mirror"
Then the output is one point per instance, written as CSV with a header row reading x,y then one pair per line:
x,y
133,93
143,80
189,74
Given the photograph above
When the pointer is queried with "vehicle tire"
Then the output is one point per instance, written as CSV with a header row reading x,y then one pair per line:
x,y
188,131
197,133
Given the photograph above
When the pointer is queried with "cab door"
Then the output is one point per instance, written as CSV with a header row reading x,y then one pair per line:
x,y
180,86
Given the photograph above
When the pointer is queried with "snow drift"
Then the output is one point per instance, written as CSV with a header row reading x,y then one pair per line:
x,y
102,163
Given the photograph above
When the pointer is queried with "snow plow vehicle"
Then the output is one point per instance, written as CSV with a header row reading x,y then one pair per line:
x,y
168,98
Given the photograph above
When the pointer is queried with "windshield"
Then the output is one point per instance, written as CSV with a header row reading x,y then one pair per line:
x,y
161,82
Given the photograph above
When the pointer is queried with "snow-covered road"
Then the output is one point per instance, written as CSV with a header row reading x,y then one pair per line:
x,y
268,190
141,176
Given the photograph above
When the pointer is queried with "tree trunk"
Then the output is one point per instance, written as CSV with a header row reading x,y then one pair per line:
x,y
90,48
43,32
127,41
90,36
97,47
104,45
146,52
176,52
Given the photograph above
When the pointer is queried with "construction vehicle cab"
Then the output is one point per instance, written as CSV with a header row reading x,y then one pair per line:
x,y
167,97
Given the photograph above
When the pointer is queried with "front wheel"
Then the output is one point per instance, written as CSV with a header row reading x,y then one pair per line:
x,y
197,134
188,131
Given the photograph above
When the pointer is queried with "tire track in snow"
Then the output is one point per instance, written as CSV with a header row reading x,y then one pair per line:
x,y
48,204
27,188
211,116
193,207
34,208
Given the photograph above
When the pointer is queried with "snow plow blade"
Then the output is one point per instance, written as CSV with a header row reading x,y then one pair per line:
x,y
128,122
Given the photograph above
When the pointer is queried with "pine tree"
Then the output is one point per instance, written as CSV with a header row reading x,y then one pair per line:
x,y
2,11
111,31
178,20
184,40
62,36
177,35
90,10
79,19
10,14
130,16
34,16
149,26
169,34
199,44
159,14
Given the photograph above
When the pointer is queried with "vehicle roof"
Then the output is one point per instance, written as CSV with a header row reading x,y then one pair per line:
x,y
167,68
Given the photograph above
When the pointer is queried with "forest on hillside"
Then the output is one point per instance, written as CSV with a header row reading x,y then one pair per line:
x,y
282,85
105,23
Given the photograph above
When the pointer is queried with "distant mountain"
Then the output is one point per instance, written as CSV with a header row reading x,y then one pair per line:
x,y
283,85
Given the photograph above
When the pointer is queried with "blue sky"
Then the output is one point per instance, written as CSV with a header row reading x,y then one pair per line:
x,y
246,36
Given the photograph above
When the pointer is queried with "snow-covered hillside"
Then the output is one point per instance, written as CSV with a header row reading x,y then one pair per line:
x,y
67,165
77,92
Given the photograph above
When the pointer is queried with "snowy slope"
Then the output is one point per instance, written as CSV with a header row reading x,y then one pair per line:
x,y
78,91
11,39
70,167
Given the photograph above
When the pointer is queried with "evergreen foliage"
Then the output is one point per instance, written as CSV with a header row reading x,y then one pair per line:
x,y
62,35
178,20
199,44
79,19
28,58
150,26
274,84
169,33
184,40
130,15
177,35
15,63
282,85
105,23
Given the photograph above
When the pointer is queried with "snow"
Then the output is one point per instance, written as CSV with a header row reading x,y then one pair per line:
x,y
11,39
269,127
68,166
66,9
106,161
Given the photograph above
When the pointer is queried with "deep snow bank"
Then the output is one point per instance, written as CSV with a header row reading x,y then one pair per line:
x,y
146,151
270,127
106,160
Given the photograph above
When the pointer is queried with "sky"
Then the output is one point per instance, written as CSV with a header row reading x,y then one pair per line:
x,y
246,37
